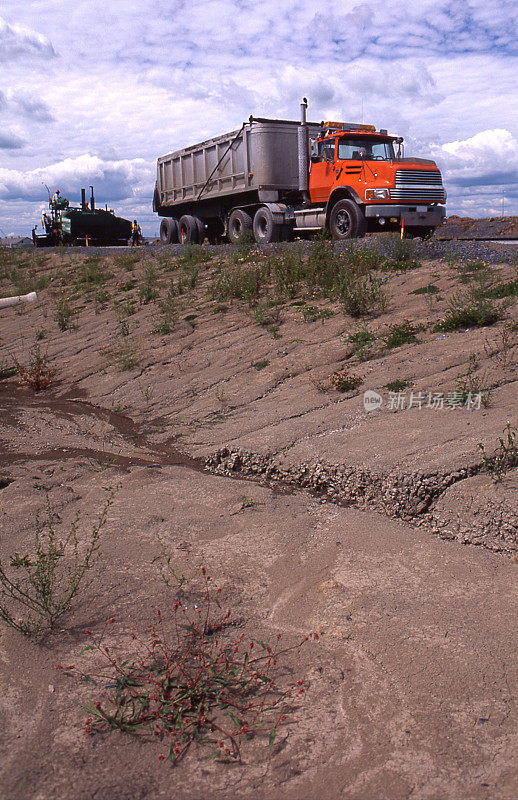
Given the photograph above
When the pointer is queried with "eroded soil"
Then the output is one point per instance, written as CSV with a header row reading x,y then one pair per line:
x,y
325,518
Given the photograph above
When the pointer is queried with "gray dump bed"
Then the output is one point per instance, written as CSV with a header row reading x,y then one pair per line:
x,y
261,156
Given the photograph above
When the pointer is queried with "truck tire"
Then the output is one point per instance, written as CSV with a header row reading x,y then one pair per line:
x,y
238,222
265,229
188,231
168,231
201,230
346,220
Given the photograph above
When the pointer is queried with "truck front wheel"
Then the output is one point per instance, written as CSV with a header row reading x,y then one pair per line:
x,y
169,231
346,220
266,230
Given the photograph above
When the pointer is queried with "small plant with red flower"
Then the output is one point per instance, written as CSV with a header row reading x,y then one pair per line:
x,y
194,680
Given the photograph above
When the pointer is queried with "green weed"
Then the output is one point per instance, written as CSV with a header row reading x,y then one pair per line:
x,y
64,313
194,254
343,381
400,333
360,295
312,313
41,586
430,288
37,372
93,272
148,290
397,385
469,384
125,355
505,457
362,341
468,311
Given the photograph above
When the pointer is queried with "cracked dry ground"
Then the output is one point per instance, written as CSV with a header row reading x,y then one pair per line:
x,y
325,517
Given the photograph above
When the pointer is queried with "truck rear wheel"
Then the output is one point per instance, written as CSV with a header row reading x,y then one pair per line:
x,y
265,229
188,229
169,231
238,222
346,220
201,230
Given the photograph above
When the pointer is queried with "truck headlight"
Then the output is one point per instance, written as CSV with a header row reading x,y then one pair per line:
x,y
376,194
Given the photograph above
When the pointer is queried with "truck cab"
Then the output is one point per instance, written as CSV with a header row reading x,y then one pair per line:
x,y
362,166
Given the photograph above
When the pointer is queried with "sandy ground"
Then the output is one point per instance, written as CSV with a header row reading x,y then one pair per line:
x,y
412,684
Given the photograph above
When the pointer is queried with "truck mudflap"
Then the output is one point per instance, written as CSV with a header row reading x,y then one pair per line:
x,y
424,215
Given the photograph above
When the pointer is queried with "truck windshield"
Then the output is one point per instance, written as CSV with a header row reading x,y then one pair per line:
x,y
372,149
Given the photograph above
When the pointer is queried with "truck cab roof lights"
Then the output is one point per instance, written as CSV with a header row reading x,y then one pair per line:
x,y
347,126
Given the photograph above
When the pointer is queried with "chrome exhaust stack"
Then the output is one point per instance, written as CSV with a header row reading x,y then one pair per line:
x,y
303,151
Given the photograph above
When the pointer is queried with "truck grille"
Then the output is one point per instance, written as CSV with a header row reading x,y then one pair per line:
x,y
404,177
418,185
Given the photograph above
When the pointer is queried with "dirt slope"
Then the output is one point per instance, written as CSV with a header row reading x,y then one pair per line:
x,y
323,518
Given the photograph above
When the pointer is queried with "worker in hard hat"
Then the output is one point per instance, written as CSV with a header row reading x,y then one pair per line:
x,y
135,233
58,201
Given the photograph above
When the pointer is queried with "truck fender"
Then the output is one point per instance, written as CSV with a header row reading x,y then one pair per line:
x,y
340,193
281,212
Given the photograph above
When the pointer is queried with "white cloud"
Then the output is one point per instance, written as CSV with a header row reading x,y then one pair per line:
x,y
10,140
484,158
24,104
17,42
112,180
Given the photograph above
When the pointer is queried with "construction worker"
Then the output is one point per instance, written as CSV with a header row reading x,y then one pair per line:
x,y
58,201
135,233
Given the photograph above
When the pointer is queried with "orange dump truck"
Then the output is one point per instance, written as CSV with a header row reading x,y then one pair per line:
x,y
280,178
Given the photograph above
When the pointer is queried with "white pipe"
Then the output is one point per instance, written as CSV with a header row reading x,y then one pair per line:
x,y
21,298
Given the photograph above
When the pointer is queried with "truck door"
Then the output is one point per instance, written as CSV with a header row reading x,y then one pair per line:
x,y
322,174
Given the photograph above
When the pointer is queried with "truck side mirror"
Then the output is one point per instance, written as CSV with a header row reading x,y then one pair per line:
x,y
315,159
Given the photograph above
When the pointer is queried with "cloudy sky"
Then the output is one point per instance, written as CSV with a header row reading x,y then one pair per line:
x,y
92,92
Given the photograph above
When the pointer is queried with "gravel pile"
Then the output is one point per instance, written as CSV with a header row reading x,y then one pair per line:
x,y
432,249
437,250
407,496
